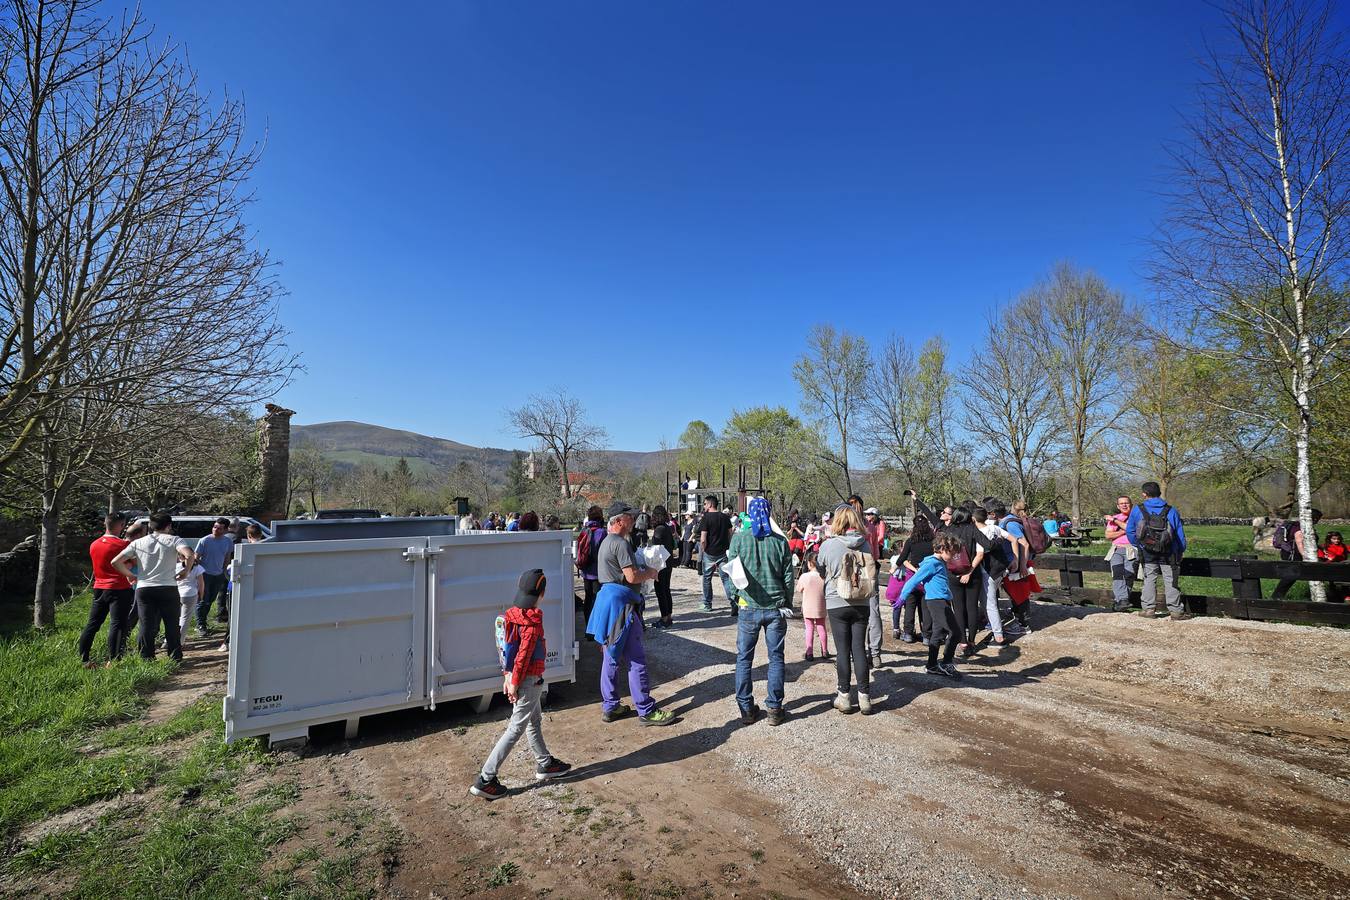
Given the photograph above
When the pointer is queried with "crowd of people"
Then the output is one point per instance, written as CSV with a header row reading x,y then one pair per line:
x,y
144,574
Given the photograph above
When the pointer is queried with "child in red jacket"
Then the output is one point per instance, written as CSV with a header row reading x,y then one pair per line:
x,y
1335,550
523,673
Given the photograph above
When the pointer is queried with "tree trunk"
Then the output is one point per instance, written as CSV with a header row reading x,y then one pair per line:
x,y
1303,475
44,592
1076,492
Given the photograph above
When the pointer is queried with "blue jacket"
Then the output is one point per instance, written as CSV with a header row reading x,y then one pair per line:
x,y
617,610
1155,505
932,574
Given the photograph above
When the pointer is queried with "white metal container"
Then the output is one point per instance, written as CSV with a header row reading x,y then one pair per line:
x,y
332,630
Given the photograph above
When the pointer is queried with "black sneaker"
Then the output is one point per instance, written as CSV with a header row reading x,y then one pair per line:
x,y
488,790
777,716
554,768
748,716
619,712
947,670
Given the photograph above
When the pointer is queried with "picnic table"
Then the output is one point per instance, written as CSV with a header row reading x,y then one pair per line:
x,y
1081,537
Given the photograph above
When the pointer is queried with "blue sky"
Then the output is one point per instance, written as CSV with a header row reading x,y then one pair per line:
x,y
652,202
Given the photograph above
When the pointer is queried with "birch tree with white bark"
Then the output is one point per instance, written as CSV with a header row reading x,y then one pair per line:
x,y
1257,241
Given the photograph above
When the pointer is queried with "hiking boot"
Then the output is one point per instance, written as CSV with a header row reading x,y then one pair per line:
x,y
842,702
864,703
613,715
1181,616
488,790
748,716
554,768
777,716
1146,614
660,717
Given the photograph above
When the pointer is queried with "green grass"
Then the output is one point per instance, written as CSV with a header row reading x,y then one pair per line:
x,y
185,823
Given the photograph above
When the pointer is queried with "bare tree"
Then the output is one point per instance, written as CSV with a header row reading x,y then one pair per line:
x,y
831,375
1080,329
122,251
1258,225
1008,404
309,475
558,421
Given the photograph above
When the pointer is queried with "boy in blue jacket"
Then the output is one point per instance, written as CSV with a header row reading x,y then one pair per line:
x,y
932,574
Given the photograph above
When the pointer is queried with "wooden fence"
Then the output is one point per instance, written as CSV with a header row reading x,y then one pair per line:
x,y
1245,573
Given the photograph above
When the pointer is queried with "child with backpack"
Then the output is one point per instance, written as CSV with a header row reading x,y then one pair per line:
x,y
933,578
812,588
522,652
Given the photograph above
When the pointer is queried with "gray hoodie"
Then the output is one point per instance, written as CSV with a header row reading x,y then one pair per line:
x,y
829,559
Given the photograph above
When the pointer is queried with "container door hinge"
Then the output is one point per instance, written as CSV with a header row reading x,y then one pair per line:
x,y
412,554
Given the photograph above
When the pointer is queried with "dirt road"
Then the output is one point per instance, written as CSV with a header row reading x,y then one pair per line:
x,y
1101,755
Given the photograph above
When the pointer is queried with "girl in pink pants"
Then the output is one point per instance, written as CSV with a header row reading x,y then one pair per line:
x,y
812,589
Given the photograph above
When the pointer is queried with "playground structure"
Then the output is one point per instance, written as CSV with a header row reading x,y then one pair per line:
x,y
686,492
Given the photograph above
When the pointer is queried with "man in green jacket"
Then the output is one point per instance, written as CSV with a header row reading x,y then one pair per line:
x,y
767,561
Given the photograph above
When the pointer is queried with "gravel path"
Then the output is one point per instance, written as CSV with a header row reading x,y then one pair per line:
x,y
1102,755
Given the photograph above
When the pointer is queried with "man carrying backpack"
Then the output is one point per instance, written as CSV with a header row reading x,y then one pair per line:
x,y
1155,530
593,532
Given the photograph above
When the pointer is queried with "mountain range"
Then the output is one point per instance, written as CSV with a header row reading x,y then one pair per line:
x,y
352,443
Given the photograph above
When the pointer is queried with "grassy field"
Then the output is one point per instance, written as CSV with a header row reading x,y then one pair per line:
x,y
1222,541
182,814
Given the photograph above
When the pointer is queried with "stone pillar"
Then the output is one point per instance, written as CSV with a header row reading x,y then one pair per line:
x,y
274,457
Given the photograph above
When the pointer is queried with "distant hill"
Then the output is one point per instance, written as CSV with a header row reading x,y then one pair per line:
x,y
357,442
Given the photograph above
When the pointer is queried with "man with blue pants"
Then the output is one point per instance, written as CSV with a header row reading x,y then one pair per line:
x,y
714,539
767,562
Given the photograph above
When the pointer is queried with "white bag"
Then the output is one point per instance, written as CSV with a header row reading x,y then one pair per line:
x,y
736,572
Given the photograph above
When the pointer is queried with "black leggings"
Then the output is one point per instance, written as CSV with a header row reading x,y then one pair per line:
x,y
591,587
849,624
967,603
663,595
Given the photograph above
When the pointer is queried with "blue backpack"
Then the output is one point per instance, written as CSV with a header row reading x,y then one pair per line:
x,y
508,644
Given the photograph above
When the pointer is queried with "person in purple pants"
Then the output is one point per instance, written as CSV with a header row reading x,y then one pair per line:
x,y
616,621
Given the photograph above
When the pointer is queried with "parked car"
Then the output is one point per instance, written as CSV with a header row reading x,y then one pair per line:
x,y
191,527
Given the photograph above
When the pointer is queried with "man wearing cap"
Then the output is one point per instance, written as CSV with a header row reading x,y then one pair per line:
x,y
616,621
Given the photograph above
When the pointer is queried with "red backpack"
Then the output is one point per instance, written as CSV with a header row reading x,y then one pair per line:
x,y
587,546
1035,532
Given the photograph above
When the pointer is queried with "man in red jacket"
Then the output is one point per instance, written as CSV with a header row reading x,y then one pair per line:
x,y
523,684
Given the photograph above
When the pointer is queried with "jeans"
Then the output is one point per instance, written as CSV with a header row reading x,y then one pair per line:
x,y
526,716
707,564
215,591
634,656
153,605
874,630
1148,596
849,624
112,604
991,604
1122,577
748,625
